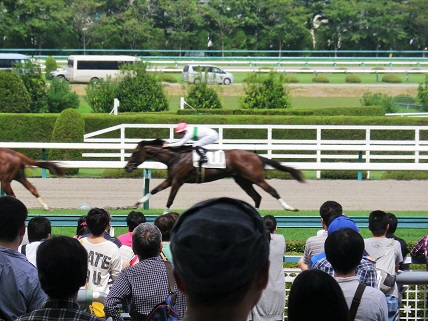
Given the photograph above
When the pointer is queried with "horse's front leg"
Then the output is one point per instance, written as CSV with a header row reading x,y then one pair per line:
x,y
165,184
174,189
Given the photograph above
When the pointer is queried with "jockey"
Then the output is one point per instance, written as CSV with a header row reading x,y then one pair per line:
x,y
200,135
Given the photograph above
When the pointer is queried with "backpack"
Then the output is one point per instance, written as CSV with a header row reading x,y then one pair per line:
x,y
385,268
166,310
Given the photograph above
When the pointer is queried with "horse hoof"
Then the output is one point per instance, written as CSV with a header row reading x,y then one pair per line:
x,y
136,205
292,209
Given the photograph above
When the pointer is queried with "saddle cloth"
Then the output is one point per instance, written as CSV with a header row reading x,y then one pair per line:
x,y
216,159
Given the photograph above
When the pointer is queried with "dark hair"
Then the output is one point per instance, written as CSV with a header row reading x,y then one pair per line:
x,y
270,223
39,228
165,223
134,219
329,210
378,223
344,249
146,241
97,220
13,214
174,215
82,228
393,223
315,295
62,263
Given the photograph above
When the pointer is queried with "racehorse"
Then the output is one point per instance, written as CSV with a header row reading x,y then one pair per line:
x,y
12,167
246,168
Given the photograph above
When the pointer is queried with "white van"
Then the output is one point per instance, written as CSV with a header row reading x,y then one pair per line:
x,y
8,60
213,74
87,68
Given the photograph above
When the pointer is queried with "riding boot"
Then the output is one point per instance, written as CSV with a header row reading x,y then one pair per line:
x,y
202,155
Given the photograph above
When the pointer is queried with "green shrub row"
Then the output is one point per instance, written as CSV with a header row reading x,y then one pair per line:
x,y
333,111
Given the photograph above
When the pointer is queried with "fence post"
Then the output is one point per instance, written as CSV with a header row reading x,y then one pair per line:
x,y
146,190
360,160
43,158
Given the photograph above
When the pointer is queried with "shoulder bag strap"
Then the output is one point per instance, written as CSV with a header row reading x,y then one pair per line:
x,y
356,301
171,283
24,249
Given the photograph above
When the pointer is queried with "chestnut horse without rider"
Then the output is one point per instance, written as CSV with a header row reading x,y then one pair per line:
x,y
12,167
246,168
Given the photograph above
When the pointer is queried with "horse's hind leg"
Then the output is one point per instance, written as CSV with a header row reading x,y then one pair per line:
x,y
23,180
247,186
7,188
269,189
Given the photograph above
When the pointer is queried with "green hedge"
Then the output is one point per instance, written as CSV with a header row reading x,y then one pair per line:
x,y
333,111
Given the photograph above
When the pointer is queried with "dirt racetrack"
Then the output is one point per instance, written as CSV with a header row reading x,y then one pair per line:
x,y
123,193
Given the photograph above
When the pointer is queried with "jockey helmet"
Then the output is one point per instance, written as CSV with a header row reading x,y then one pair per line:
x,y
181,127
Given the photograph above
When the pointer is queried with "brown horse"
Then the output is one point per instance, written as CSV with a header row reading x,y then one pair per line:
x,y
246,168
12,167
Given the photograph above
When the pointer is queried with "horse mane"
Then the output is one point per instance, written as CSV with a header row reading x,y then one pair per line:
x,y
156,142
182,149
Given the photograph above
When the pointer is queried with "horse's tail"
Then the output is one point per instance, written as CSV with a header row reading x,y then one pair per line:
x,y
298,175
53,168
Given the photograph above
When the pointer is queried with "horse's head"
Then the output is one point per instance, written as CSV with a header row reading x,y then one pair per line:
x,y
140,154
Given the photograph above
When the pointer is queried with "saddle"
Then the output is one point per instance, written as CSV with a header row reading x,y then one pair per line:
x,y
216,159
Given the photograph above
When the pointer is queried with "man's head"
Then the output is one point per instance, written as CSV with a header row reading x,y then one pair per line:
x,y
393,223
344,249
39,228
221,250
62,263
134,219
378,223
181,129
97,221
329,211
165,224
146,241
13,214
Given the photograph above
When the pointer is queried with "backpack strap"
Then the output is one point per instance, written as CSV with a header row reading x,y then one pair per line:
x,y
356,301
23,249
171,283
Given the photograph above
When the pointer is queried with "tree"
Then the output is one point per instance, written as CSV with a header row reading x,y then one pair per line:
x,y
69,128
85,15
265,92
38,22
35,83
60,97
422,96
14,96
140,91
202,96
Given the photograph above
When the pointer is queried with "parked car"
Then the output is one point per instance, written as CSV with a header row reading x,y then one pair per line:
x,y
59,73
212,74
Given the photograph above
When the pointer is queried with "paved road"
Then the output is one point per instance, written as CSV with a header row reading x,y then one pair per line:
x,y
112,193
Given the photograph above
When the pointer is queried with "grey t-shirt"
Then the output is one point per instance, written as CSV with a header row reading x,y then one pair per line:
x,y
373,305
314,245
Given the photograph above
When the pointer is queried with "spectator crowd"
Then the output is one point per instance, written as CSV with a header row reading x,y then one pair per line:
x,y
218,260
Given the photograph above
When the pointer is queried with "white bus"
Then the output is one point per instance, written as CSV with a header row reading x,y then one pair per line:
x,y
86,68
9,60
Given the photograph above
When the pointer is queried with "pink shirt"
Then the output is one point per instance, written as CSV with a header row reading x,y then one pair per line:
x,y
126,239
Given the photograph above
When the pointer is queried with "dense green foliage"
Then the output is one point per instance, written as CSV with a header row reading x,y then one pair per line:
x,y
14,96
69,128
353,79
140,90
391,79
203,96
377,99
265,92
184,25
100,95
36,86
50,65
60,97
321,79
290,79
422,96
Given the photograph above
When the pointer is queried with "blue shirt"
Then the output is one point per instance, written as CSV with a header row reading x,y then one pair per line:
x,y
19,284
